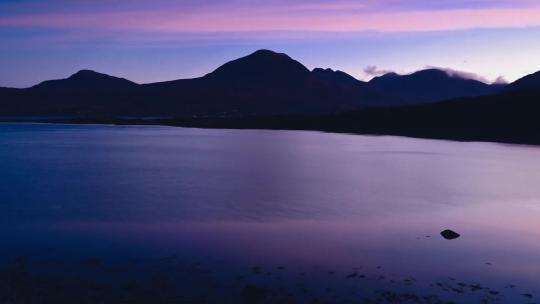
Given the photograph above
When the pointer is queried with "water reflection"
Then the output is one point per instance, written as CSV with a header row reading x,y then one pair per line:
x,y
343,216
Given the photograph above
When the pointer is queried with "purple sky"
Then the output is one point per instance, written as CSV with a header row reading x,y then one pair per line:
x,y
149,41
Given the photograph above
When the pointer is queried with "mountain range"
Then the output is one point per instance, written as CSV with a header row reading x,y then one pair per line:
x,y
431,85
262,83
272,91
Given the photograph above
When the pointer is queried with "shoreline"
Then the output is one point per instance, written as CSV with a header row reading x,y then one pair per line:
x,y
266,123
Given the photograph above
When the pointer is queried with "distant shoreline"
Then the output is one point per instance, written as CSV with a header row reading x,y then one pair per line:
x,y
277,123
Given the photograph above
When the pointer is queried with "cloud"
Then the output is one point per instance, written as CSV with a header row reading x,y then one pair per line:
x,y
500,80
468,75
276,15
430,5
460,74
373,70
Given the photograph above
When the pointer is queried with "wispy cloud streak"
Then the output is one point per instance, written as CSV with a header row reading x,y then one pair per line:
x,y
373,71
209,16
468,75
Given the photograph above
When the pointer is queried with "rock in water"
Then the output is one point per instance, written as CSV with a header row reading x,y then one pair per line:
x,y
449,234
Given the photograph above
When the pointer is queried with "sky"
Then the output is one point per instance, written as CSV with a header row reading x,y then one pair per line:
x,y
149,41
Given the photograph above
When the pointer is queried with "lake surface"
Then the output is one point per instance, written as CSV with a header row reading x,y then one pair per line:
x,y
195,215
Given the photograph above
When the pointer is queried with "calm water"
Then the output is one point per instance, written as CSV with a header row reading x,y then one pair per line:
x,y
305,215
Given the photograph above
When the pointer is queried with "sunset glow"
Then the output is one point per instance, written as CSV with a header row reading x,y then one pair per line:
x,y
195,36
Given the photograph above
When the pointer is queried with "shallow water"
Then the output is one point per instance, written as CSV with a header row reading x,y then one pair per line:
x,y
307,215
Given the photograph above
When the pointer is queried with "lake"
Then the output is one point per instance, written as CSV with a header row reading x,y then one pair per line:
x,y
165,214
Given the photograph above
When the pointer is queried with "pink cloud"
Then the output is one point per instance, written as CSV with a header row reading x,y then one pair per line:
x,y
372,70
342,19
500,80
469,75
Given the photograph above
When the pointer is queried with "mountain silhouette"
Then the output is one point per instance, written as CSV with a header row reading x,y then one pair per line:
x,y
430,85
529,82
83,93
263,66
509,116
337,77
264,83
86,80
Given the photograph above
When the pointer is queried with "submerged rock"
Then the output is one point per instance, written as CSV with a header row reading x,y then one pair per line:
x,y
449,234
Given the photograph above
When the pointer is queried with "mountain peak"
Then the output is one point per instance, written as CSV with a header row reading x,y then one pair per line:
x,y
336,76
265,52
327,70
433,73
431,84
387,75
87,79
262,64
85,73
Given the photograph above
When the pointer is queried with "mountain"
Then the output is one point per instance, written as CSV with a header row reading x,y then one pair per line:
x,y
430,85
11,101
509,116
265,83
262,83
336,77
528,82
261,67
273,91
83,93
86,80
